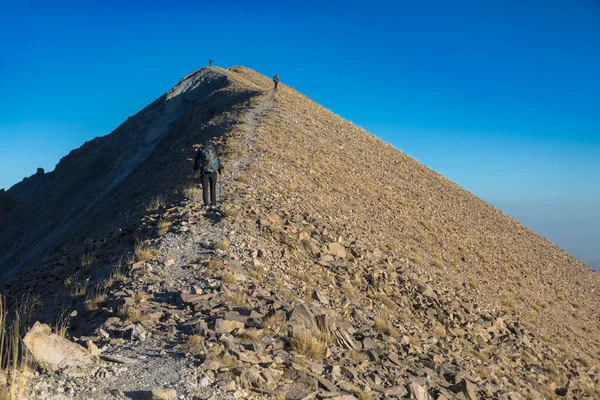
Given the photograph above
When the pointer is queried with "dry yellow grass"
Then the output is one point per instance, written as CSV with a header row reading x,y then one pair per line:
x,y
308,344
229,277
358,356
236,297
192,192
214,264
251,335
87,261
61,324
221,245
163,226
15,363
156,203
131,313
77,290
117,275
386,301
144,252
140,297
96,299
194,344
383,326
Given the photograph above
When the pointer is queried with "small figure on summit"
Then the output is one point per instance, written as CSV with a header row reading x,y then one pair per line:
x,y
210,62
275,81
209,165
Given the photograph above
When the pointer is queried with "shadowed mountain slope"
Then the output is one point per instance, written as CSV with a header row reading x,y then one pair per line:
x,y
104,184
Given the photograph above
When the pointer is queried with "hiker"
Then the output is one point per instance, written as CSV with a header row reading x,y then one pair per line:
x,y
209,165
275,81
210,62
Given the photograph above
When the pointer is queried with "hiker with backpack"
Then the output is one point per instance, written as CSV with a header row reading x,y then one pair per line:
x,y
209,165
275,81
210,62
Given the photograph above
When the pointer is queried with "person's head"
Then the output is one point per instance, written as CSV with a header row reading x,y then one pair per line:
x,y
206,142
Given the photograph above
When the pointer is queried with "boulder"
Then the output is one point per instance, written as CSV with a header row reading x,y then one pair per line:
x,y
227,326
161,394
418,392
302,316
54,351
337,249
320,297
465,387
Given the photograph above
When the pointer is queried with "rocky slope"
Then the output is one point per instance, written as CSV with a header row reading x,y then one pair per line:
x,y
105,183
337,267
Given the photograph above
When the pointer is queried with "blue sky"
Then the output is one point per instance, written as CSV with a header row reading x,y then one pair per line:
x,y
502,97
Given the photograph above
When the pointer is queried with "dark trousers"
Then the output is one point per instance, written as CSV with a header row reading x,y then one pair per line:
x,y
275,88
209,179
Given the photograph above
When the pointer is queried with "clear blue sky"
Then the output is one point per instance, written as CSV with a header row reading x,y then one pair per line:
x,y
503,97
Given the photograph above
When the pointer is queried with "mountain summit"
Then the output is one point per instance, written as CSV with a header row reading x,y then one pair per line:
x,y
337,266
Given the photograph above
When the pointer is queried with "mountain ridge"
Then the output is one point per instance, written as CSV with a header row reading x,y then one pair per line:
x,y
323,223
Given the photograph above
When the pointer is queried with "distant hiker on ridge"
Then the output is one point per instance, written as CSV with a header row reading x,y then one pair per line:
x,y
275,81
209,165
210,62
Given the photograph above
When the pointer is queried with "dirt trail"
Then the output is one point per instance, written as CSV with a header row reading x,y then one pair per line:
x,y
250,138
158,360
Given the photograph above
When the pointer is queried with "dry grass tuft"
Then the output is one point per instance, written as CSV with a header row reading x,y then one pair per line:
x,y
163,226
437,261
96,299
87,261
117,275
214,264
251,335
383,326
194,344
229,278
144,252
230,212
15,362
347,288
62,323
309,345
221,245
140,297
131,313
192,192
237,297
156,203
386,301
76,290
357,356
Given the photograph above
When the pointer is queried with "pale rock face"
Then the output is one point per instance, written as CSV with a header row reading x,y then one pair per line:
x,y
53,350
